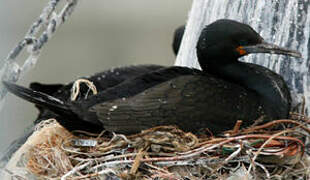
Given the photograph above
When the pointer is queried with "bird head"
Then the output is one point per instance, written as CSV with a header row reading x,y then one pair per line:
x,y
177,39
224,41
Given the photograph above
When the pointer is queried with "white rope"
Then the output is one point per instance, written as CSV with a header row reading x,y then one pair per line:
x,y
75,90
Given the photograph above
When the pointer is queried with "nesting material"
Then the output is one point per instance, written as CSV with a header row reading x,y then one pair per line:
x,y
166,152
41,148
75,90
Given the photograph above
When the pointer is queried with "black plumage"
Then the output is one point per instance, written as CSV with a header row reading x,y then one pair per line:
x,y
102,81
224,91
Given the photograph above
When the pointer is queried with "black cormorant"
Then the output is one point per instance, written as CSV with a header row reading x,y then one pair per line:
x,y
225,91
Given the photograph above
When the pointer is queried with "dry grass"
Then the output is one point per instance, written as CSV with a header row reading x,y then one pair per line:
x,y
167,152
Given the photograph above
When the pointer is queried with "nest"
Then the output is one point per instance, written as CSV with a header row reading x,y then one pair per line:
x,y
166,152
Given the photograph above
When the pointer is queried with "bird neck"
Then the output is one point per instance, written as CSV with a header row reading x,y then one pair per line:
x,y
270,86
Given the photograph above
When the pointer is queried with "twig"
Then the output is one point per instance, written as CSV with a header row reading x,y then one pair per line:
x,y
273,123
102,172
75,169
269,140
237,127
234,154
136,163
264,169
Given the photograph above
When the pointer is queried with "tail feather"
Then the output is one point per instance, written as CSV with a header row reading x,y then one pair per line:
x,y
65,115
38,98
49,89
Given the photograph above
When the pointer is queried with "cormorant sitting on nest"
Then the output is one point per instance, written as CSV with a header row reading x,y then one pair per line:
x,y
225,90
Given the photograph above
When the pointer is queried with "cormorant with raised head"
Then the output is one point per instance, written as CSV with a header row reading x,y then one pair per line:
x,y
224,91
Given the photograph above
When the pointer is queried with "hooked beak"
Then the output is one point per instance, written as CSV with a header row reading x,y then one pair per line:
x,y
265,47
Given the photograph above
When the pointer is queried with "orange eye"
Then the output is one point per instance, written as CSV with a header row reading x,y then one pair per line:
x,y
240,50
